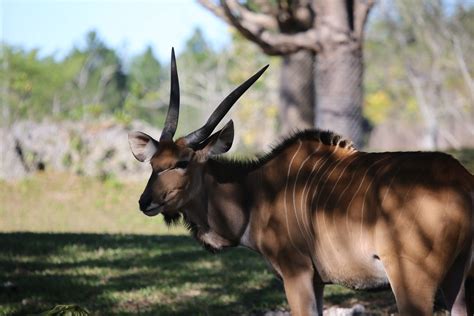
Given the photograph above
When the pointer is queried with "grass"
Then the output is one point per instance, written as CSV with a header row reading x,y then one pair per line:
x,y
59,202
128,274
76,240
131,274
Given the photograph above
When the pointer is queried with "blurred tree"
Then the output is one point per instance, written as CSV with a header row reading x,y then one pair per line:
x,y
149,83
86,83
145,78
419,81
145,71
197,47
421,64
30,85
207,76
297,30
101,82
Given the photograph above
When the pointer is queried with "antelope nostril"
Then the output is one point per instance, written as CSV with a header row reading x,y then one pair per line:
x,y
144,203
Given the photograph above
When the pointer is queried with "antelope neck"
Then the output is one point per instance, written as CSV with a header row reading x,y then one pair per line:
x,y
222,209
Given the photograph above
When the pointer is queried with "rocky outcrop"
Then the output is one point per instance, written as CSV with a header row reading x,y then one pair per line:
x,y
94,149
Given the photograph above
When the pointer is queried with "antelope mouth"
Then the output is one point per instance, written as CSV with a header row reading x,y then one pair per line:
x,y
154,209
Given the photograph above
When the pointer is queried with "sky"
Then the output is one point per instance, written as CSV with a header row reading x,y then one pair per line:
x,y
55,26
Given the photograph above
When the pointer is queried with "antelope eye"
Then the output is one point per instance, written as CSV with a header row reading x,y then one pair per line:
x,y
181,164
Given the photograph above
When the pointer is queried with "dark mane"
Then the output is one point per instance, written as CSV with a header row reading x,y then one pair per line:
x,y
245,165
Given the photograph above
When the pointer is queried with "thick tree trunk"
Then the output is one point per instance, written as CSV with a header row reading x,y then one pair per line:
x,y
339,67
297,30
297,95
339,92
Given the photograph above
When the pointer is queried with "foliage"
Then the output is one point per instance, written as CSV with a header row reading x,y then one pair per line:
x,y
92,82
377,106
32,83
419,69
145,72
145,76
210,75
86,83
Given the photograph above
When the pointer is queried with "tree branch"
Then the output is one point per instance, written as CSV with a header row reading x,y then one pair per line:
x,y
271,43
295,16
463,66
266,7
215,9
263,20
361,12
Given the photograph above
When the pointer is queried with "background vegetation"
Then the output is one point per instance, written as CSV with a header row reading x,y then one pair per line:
x,y
69,239
93,83
418,81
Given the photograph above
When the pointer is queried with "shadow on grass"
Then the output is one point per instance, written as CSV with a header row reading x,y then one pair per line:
x,y
139,274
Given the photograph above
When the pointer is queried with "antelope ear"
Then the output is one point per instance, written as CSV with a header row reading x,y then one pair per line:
x,y
218,143
143,146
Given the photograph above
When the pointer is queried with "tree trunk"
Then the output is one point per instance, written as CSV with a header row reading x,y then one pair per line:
x,y
332,29
339,92
297,95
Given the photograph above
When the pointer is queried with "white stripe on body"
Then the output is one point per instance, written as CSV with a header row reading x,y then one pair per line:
x,y
285,200
303,198
311,183
317,193
363,204
357,191
330,193
306,228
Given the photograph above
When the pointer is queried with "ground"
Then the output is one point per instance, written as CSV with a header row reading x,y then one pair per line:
x,y
75,240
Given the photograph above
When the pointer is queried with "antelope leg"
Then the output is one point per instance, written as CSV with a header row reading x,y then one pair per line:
x,y
413,285
299,292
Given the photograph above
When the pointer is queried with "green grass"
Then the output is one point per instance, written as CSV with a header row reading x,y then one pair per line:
x,y
58,202
141,274
75,240
131,274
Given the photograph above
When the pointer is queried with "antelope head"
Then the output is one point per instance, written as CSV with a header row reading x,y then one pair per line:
x,y
178,165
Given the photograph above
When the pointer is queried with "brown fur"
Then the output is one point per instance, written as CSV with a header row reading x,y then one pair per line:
x,y
321,212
